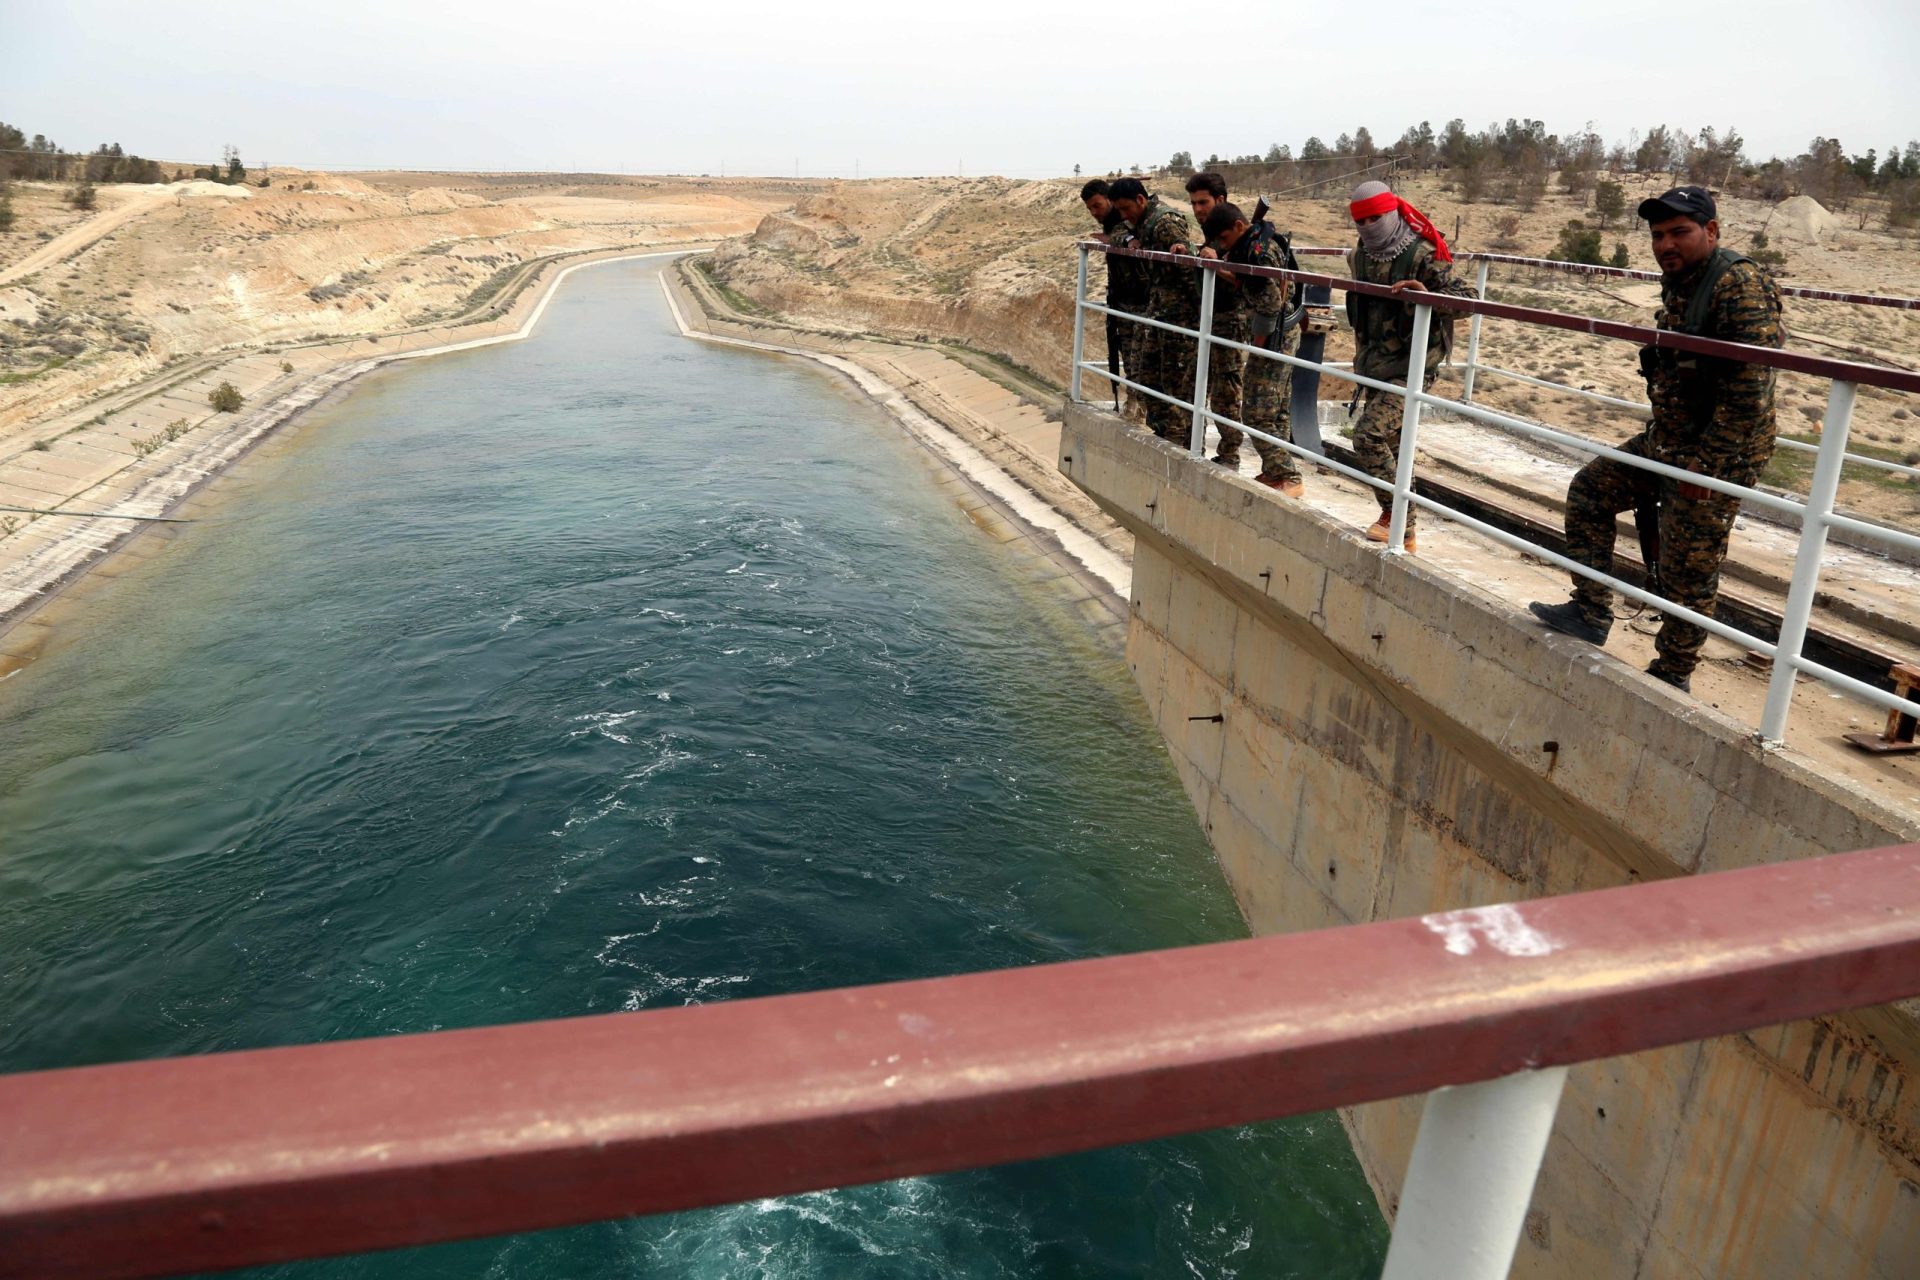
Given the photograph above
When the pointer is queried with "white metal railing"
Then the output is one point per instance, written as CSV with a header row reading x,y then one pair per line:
x,y
1816,514
1639,408
1473,366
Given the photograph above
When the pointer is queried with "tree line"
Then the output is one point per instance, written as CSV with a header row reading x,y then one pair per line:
x,y
1513,161
38,159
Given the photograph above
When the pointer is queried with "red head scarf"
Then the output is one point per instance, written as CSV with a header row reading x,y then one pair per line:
x,y
1388,202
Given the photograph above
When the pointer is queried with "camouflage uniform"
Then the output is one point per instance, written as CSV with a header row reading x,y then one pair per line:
x,y
1255,305
1383,342
1126,291
1226,367
1709,416
1173,297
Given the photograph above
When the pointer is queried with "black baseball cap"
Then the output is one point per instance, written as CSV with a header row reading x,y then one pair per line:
x,y
1681,202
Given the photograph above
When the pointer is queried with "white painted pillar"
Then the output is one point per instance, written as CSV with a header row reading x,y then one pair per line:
x,y
1409,427
1205,349
1471,1178
1806,561
1079,326
1473,337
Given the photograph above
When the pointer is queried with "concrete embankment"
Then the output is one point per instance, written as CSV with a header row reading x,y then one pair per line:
x,y
1367,737
158,444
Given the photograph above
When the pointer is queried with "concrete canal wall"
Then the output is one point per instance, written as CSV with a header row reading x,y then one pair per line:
x,y
1365,737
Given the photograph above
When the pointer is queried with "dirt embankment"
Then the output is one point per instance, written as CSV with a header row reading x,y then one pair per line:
x,y
159,276
988,262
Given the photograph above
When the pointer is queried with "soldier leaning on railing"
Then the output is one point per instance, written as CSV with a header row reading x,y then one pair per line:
x,y
1710,416
1126,291
1173,297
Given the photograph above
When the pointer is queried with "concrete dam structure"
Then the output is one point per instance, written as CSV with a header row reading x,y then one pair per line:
x,y
1366,738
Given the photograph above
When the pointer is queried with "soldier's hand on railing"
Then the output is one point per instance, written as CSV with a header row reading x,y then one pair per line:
x,y
1407,286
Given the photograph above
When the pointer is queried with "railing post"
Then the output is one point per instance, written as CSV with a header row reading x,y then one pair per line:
x,y
1200,361
1471,1178
1473,337
1079,325
1806,561
1409,427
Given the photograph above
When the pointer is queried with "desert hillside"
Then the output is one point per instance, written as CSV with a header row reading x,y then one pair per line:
x,y
158,276
989,263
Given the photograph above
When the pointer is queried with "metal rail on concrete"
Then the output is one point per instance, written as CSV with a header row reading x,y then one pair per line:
x,y
233,1159
1816,515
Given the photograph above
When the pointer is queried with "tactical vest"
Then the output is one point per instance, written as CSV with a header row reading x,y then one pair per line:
x,y
1365,312
1126,277
1700,376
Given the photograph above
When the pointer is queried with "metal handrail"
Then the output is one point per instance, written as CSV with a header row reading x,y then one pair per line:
x,y
1473,365
1664,339
1633,273
232,1159
1816,515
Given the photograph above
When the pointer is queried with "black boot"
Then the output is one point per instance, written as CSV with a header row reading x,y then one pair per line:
x,y
1570,620
1684,683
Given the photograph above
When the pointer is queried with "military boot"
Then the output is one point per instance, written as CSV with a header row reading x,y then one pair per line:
x,y
1569,619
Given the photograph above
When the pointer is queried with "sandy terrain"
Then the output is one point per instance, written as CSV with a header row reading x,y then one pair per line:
x,y
988,263
161,276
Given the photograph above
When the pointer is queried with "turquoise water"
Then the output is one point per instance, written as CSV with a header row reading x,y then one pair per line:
x,y
611,670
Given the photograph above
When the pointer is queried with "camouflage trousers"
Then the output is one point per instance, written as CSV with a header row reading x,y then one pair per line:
x,y
1166,365
1694,533
1123,339
1238,382
1376,441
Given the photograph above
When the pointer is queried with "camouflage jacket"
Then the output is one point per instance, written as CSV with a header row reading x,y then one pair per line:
x,y
1710,415
1173,291
1258,295
1383,330
1126,277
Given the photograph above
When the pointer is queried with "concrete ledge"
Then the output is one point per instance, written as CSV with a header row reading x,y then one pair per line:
x,y
1394,740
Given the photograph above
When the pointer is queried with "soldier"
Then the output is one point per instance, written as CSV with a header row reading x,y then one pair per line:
x,y
1252,309
1173,297
1126,290
1400,248
1205,193
1712,417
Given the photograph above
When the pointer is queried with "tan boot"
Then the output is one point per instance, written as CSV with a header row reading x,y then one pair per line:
x,y
1382,529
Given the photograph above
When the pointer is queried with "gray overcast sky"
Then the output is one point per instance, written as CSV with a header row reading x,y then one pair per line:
x,y
1019,89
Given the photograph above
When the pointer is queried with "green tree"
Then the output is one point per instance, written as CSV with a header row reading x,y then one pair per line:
x,y
83,197
1620,258
1577,243
1279,153
226,398
1609,200
6,209
236,172
12,141
1182,162
1314,149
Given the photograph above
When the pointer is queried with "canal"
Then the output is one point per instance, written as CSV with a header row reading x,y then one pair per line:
x,y
611,670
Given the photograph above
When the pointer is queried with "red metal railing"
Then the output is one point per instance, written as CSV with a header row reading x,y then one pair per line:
x,y
188,1164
